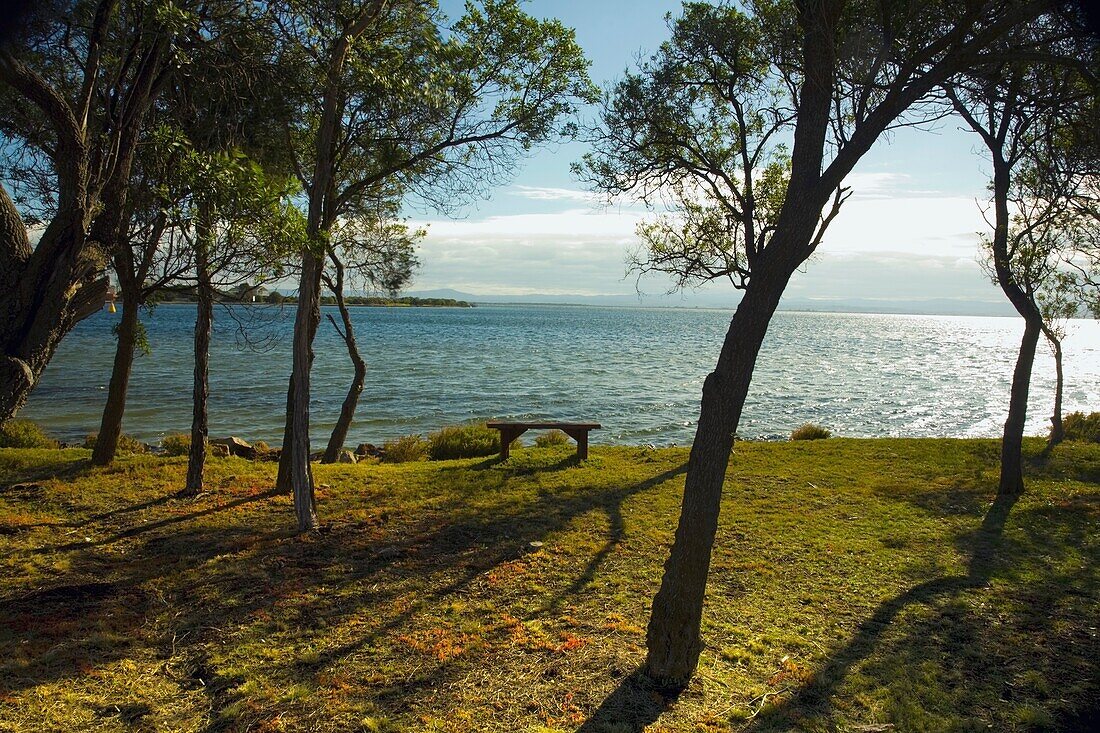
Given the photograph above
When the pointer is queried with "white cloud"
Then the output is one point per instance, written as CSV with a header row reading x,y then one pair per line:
x,y
929,225
899,246
541,193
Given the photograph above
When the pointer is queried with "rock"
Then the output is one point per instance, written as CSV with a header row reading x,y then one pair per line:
x,y
346,456
316,456
389,553
535,545
236,447
219,449
368,449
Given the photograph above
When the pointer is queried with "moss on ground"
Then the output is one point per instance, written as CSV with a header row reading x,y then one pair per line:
x,y
856,585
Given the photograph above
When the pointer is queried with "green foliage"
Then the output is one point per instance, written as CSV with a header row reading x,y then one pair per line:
x,y
551,439
1080,426
683,127
141,337
464,441
405,449
176,444
810,431
24,434
126,443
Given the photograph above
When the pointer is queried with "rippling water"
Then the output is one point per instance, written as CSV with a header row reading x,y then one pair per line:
x,y
638,371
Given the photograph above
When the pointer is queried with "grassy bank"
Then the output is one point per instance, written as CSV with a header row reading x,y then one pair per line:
x,y
857,585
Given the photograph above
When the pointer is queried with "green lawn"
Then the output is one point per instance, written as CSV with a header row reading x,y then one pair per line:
x,y
857,585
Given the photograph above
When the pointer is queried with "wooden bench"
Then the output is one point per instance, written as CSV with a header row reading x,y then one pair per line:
x,y
578,431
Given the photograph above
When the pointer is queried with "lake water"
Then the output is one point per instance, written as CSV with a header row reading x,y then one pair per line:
x,y
638,371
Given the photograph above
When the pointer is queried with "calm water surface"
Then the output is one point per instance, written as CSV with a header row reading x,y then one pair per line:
x,y
638,371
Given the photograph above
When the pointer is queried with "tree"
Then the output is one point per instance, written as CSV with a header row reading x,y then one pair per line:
x,y
240,230
144,262
75,90
702,123
395,100
1018,109
376,252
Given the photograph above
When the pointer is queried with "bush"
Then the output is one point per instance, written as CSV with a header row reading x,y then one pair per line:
x,y
404,449
261,448
1080,426
551,439
126,443
24,434
178,444
809,431
464,441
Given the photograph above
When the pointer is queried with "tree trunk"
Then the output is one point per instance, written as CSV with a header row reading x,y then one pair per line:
x,y
673,639
347,410
43,294
1012,473
204,323
1057,429
110,426
283,484
307,318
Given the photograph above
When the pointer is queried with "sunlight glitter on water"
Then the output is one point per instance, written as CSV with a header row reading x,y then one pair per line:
x,y
638,371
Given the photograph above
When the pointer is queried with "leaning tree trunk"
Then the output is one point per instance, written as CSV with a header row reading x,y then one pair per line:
x,y
1012,441
347,410
1057,429
673,639
204,323
110,426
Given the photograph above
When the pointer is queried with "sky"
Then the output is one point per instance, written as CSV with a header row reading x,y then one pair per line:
x,y
908,233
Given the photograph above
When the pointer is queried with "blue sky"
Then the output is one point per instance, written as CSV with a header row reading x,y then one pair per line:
x,y
914,210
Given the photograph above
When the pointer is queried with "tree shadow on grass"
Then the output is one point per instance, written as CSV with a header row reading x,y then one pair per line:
x,y
201,572
488,542
152,526
936,663
633,705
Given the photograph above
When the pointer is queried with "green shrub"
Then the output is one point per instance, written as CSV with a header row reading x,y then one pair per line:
x,y
1080,426
551,439
126,443
261,447
177,444
464,441
404,449
809,431
24,434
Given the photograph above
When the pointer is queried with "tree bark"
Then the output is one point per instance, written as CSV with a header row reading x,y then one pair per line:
x,y
1012,475
204,323
673,639
347,410
307,318
1057,429
110,426
283,484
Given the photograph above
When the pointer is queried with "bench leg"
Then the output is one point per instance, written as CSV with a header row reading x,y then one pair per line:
x,y
507,435
581,436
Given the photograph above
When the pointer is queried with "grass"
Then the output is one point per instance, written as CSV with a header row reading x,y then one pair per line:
x,y
465,441
809,431
856,585
24,434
